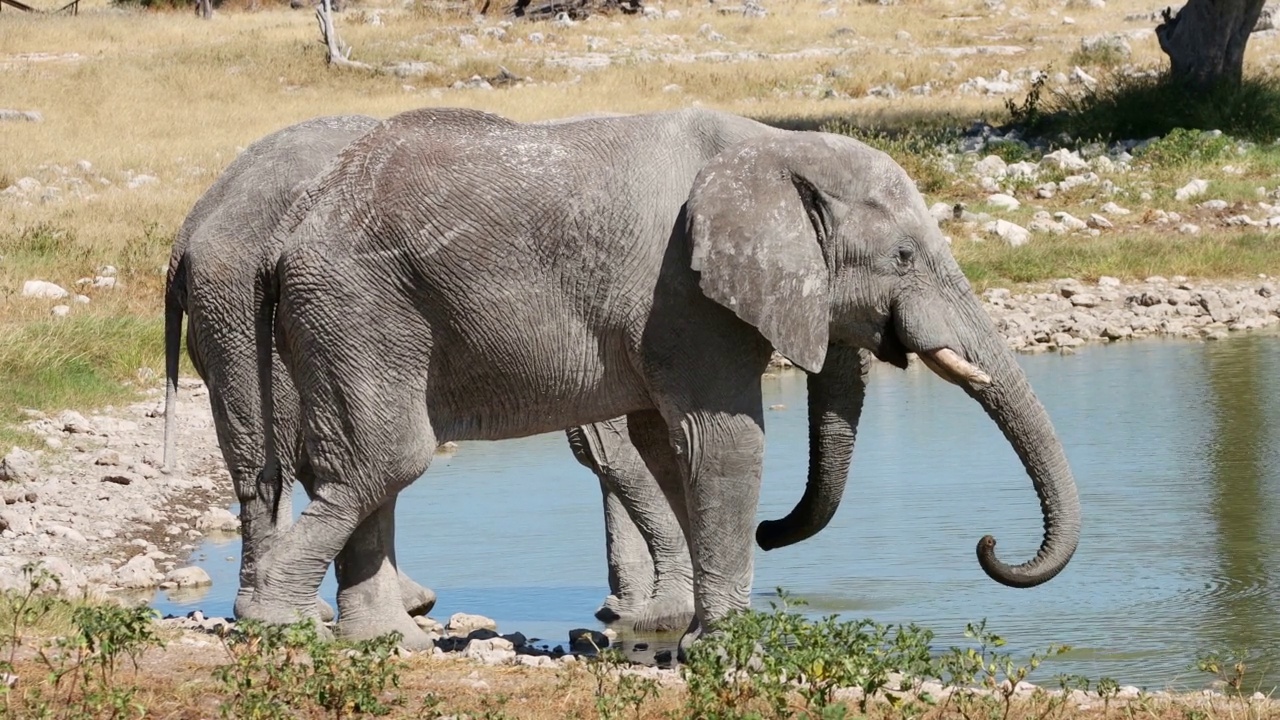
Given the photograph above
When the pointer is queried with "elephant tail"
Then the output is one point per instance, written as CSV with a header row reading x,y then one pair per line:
x,y
174,289
264,339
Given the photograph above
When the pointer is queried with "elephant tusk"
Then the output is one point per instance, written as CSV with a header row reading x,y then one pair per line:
x,y
948,365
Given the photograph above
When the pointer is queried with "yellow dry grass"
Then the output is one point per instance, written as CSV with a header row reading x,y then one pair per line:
x,y
175,97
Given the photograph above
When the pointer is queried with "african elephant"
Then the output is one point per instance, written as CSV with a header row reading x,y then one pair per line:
x,y
460,276
212,280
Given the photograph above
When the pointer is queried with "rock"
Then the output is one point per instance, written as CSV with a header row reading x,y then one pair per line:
x,y
33,116
1064,159
428,625
189,577
60,310
992,166
121,478
218,519
493,651
1113,209
16,522
1189,229
1108,44
105,283
70,581
1070,221
107,456
43,290
75,423
1002,201
19,466
67,533
462,624
1108,281
1194,188
1097,221
1013,234
1084,300
138,181
587,641
140,572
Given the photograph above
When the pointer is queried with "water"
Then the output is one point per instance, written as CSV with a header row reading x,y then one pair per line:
x,y
1175,455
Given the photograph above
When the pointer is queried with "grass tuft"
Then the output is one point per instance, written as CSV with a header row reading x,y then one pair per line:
x,y
1121,107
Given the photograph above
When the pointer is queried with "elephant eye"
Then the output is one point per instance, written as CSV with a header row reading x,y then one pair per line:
x,y
904,254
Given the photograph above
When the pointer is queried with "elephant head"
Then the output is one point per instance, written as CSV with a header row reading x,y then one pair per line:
x,y
825,246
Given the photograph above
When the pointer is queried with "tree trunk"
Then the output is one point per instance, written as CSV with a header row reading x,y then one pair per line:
x,y
204,8
1205,40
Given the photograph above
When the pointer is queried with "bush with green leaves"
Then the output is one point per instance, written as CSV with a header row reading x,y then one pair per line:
x,y
275,668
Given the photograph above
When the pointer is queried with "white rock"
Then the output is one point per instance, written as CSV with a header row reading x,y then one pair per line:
x,y
75,423
942,212
1013,234
43,290
104,283
1195,188
1098,221
138,181
16,522
189,577
66,533
108,271
1113,209
991,166
139,572
1213,205
1108,281
1064,159
464,624
60,310
1003,202
1189,229
494,651
19,466
219,519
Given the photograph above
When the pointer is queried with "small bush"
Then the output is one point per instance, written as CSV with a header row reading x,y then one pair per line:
x,y
275,669
1126,107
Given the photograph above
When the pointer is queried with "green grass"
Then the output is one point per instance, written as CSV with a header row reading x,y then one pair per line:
x,y
74,362
1137,256
1120,107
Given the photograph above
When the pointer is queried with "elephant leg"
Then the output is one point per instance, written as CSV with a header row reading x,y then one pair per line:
x,y
670,604
709,466
385,444
417,599
630,562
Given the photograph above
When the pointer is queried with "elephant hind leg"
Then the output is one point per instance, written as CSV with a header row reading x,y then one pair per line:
x,y
363,452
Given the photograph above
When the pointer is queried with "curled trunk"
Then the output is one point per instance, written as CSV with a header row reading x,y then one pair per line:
x,y
836,395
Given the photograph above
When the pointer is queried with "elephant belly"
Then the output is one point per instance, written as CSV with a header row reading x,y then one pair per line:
x,y
505,386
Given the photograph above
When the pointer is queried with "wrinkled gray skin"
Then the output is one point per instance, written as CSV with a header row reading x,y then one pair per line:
x,y
458,276
211,279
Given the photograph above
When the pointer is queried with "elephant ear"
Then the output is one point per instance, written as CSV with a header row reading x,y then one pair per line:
x,y
756,226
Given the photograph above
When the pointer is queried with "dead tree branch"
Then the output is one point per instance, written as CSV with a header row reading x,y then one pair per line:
x,y
339,54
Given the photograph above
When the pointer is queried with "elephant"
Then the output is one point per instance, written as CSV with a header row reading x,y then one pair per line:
x,y
211,279
457,275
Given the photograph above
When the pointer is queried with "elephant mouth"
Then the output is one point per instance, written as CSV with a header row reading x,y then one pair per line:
x,y
952,367
891,348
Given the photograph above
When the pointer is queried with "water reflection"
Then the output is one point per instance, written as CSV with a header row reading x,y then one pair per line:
x,y
1173,454
1240,616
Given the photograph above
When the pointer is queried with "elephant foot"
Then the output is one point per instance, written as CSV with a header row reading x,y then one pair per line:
x,y
614,609
324,611
284,614
664,613
367,627
418,600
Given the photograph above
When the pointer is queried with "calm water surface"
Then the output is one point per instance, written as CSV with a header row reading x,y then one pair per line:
x,y
1176,450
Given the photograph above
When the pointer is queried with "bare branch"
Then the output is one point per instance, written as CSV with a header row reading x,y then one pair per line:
x,y
339,54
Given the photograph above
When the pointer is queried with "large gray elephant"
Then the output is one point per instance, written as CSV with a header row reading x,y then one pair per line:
x,y
459,276
216,254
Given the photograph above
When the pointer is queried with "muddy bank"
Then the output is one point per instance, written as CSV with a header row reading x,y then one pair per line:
x,y
94,509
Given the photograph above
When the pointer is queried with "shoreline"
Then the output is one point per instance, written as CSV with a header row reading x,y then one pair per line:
x,y
99,514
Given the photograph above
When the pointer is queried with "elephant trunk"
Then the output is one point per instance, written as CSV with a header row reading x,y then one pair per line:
x,y
990,374
835,402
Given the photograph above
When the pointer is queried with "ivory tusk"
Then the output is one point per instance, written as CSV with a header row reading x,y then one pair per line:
x,y
930,363
950,366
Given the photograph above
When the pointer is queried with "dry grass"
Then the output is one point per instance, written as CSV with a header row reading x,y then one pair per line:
x,y
169,95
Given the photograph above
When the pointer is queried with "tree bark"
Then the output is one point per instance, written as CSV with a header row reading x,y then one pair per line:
x,y
1205,40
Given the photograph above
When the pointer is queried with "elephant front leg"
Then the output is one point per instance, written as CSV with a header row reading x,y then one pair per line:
x,y
721,456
